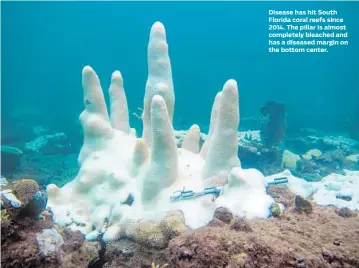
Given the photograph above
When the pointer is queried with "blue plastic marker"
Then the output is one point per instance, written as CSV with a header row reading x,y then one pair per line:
x,y
347,196
183,194
278,181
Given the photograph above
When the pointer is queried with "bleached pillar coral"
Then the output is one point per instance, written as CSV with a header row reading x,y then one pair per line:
x,y
212,124
159,81
125,179
119,110
222,154
191,139
245,195
163,168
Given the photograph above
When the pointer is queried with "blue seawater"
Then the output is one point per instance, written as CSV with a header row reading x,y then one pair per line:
x,y
46,44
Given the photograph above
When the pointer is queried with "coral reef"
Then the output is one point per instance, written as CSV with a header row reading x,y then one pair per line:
x,y
306,140
49,144
256,154
116,164
339,190
313,155
323,164
179,198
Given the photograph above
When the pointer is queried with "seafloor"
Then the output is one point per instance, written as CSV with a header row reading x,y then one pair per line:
x,y
306,235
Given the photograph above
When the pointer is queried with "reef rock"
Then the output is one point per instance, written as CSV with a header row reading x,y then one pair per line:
x,y
303,205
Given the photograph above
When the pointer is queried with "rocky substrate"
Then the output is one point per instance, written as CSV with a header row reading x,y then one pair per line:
x,y
303,236
29,237
20,247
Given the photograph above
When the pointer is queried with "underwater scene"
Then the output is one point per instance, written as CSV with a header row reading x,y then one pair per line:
x,y
180,134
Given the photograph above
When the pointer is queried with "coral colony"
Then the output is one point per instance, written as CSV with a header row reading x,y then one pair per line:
x,y
157,176
124,180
